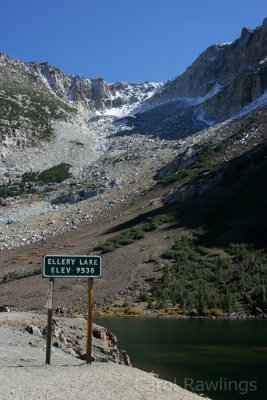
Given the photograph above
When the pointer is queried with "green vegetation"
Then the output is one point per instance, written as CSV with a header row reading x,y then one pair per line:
x,y
250,123
176,176
15,275
197,280
129,236
152,223
11,190
238,250
204,155
144,296
30,177
209,162
204,158
209,283
56,174
26,99
126,237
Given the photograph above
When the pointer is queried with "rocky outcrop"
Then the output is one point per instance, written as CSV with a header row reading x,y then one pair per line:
x,y
94,94
69,336
184,160
75,197
220,66
218,85
189,192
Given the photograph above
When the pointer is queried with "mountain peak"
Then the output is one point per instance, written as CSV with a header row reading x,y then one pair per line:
x,y
223,80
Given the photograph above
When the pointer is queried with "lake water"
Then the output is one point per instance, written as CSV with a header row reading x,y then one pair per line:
x,y
222,359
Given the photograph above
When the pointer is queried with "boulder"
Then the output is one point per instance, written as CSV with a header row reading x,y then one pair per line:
x,y
33,330
3,202
180,162
4,309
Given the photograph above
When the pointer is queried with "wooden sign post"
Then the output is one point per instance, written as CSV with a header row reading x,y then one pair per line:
x,y
71,266
49,321
89,322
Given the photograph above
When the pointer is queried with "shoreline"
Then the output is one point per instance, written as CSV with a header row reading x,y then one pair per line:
x,y
25,375
113,313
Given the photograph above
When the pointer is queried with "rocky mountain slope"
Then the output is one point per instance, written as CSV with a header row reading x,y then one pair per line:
x,y
66,138
80,154
207,208
39,101
222,81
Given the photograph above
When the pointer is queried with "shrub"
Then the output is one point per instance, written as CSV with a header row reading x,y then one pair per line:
x,y
129,236
135,311
160,304
169,255
124,238
238,250
205,154
230,301
217,312
144,296
195,280
108,311
150,305
11,190
151,259
176,176
58,173
15,275
150,226
106,248
205,311
30,176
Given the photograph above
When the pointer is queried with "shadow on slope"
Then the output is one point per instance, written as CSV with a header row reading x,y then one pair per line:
x,y
235,211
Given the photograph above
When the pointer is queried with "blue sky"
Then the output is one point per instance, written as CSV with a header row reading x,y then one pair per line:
x,y
122,40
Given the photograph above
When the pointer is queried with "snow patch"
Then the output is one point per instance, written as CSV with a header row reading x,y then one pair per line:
x,y
259,102
192,101
132,97
200,116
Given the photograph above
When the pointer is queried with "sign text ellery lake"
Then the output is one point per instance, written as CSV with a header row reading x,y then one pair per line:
x,y
71,266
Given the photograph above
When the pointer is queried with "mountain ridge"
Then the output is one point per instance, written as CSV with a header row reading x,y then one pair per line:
x,y
116,137
218,85
88,166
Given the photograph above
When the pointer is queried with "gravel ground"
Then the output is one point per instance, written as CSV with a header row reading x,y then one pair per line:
x,y
23,374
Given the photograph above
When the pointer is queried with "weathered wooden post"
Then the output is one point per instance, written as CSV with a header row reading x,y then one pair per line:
x,y
89,322
49,321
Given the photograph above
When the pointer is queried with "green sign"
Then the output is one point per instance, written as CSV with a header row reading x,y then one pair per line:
x,y
69,266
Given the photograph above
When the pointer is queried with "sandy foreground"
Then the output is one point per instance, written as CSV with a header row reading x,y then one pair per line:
x,y
24,375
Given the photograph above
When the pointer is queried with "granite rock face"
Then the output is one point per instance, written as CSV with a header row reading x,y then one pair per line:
x,y
94,94
116,135
221,65
219,84
183,160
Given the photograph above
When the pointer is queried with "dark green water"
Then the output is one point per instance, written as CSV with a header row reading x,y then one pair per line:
x,y
230,356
